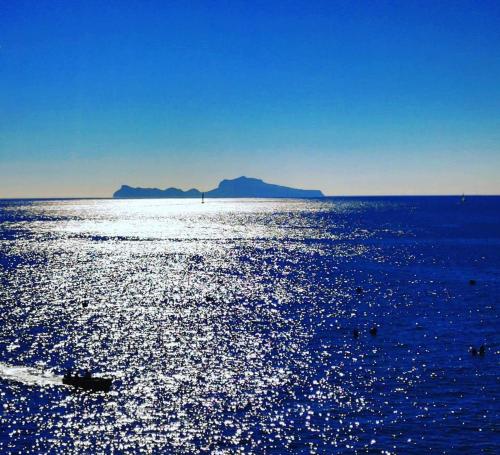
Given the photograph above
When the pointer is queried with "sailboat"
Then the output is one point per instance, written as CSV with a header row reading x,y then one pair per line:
x,y
463,198
202,198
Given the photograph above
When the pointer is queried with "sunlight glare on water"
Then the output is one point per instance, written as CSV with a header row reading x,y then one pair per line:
x,y
227,326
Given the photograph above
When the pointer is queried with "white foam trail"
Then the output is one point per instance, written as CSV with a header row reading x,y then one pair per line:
x,y
30,376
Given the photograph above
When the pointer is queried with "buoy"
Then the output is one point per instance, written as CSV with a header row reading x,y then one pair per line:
x,y
472,282
373,330
359,290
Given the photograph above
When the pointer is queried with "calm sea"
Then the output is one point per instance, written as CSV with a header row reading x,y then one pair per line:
x,y
228,326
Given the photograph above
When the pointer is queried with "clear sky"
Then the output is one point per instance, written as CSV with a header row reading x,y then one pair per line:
x,y
350,97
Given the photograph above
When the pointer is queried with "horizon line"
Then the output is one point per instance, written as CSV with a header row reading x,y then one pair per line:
x,y
45,198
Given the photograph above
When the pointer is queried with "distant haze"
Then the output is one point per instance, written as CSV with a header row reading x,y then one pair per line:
x,y
345,97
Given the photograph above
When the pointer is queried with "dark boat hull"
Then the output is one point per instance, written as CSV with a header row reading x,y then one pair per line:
x,y
92,384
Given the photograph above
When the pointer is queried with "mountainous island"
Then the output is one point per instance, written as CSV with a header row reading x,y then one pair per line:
x,y
242,187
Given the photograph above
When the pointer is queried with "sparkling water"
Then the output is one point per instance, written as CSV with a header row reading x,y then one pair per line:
x,y
227,327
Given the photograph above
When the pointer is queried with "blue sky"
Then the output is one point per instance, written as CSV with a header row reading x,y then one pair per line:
x,y
350,97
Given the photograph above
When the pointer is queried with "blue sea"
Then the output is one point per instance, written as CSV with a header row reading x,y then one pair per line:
x,y
227,327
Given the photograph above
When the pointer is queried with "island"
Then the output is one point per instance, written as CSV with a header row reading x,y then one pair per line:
x,y
241,187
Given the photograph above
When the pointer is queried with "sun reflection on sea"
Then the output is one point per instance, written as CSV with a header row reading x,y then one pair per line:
x,y
226,326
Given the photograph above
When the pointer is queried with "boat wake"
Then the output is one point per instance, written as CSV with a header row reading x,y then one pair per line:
x,y
29,376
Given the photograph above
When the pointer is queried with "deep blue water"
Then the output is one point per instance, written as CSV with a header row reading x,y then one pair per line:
x,y
228,327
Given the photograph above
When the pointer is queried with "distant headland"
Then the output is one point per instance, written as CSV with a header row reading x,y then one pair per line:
x,y
241,187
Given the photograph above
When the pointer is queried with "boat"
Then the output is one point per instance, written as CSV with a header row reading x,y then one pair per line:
x,y
88,383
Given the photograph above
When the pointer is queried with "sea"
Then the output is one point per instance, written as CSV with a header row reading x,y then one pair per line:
x,y
322,326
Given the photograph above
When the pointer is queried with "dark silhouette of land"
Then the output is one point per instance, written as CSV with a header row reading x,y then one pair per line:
x,y
242,187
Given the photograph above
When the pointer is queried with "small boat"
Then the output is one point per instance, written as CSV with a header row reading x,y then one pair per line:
x,y
88,383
